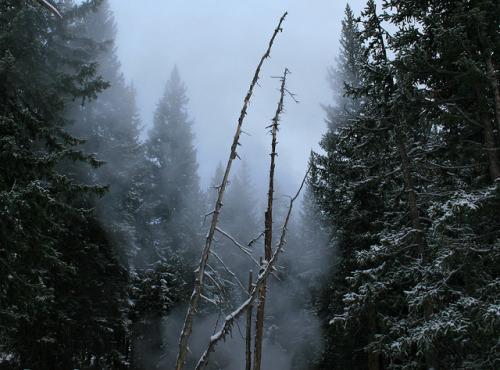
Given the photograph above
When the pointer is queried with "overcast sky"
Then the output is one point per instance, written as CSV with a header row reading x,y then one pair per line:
x,y
216,46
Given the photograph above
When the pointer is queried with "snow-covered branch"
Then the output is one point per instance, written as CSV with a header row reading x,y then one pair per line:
x,y
244,249
195,296
266,270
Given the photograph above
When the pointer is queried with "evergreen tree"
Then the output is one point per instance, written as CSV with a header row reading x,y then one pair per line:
x,y
346,75
239,214
172,172
212,192
50,278
169,223
110,127
412,282
350,191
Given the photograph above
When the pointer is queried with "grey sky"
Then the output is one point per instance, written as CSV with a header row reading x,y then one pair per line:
x,y
216,46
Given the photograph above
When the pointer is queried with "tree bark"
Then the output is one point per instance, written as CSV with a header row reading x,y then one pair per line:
x,y
492,148
259,323
268,231
221,334
412,196
195,296
373,358
494,86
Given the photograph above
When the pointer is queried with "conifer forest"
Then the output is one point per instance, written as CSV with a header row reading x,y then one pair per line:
x,y
115,253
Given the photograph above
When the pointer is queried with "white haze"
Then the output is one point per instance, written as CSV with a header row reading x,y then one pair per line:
x,y
216,47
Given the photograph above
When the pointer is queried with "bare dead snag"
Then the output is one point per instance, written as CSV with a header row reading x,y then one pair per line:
x,y
267,269
200,272
268,231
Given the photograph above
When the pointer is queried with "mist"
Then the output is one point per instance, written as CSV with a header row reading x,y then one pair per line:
x,y
143,136
168,201
215,68
216,49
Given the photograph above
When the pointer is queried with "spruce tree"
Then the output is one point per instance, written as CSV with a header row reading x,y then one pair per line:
x,y
349,190
430,111
238,216
110,126
55,258
169,224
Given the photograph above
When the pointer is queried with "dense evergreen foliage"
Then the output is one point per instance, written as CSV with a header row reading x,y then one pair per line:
x,y
100,231
55,257
410,186
110,126
168,222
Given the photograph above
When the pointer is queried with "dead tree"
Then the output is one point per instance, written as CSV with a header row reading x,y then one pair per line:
x,y
268,231
200,272
267,269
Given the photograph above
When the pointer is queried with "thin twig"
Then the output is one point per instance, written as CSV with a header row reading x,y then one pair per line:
x,y
245,250
195,296
228,270
226,328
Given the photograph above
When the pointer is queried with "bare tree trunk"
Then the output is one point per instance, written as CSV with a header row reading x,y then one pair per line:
x,y
248,352
268,231
259,322
200,272
268,268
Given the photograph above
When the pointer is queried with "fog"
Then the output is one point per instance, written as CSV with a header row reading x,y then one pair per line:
x,y
216,47
215,50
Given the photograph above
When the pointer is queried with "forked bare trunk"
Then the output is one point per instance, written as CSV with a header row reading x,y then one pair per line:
x,y
200,272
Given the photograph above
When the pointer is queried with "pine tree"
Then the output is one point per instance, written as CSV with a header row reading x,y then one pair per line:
x,y
346,75
428,113
111,128
350,191
448,58
44,304
169,222
239,214
174,193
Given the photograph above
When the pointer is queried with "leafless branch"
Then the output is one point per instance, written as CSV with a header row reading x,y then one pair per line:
x,y
245,250
267,269
228,270
250,243
188,323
